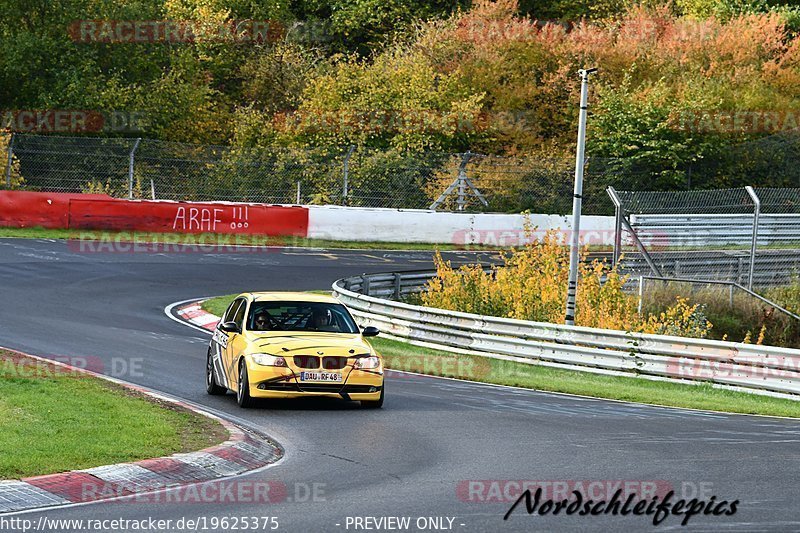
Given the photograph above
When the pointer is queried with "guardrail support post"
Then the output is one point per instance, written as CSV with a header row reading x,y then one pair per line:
x,y
365,284
756,214
130,168
10,160
397,279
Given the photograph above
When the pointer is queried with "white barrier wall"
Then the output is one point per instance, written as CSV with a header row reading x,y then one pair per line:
x,y
419,225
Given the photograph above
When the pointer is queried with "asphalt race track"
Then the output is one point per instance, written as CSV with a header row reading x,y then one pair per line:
x,y
433,435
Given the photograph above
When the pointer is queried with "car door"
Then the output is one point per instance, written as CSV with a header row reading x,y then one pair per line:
x,y
219,345
224,339
236,343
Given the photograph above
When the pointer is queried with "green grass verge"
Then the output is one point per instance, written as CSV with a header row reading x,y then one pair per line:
x,y
210,238
404,356
218,305
54,420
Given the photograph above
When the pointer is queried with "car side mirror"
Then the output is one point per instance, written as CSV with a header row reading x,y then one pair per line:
x,y
230,327
370,331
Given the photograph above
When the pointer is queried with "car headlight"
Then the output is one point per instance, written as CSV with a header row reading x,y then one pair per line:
x,y
366,363
268,360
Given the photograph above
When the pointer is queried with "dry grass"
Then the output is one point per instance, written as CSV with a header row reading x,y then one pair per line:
x,y
745,319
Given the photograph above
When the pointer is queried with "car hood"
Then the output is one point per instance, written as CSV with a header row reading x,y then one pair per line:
x,y
308,343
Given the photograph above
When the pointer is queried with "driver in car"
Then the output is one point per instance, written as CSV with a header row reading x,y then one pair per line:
x,y
262,322
321,320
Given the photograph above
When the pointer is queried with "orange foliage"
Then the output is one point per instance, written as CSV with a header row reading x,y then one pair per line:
x,y
521,63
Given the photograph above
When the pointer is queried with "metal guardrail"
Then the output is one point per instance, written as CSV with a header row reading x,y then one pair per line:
x,y
748,366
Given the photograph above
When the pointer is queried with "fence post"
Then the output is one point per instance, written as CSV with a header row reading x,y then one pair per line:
x,y
130,168
298,193
461,183
462,186
627,225
617,235
641,293
756,215
346,174
739,270
10,160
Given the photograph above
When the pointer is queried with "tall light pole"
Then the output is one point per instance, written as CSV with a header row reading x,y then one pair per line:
x,y
577,197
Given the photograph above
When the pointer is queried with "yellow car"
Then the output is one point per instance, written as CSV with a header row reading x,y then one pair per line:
x,y
290,345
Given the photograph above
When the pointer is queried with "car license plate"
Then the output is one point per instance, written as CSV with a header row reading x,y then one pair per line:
x,y
320,376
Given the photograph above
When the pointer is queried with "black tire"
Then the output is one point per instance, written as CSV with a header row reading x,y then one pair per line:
x,y
376,404
243,397
211,381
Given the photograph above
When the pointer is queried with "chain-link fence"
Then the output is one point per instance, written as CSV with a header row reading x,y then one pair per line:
x,y
143,168
125,167
749,236
90,164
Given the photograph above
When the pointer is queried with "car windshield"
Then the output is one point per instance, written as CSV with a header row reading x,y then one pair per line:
x,y
300,316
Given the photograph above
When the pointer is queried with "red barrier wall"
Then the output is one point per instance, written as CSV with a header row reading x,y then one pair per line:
x,y
188,217
100,212
20,209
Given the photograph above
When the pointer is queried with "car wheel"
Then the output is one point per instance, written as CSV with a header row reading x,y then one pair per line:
x,y
243,397
211,381
374,404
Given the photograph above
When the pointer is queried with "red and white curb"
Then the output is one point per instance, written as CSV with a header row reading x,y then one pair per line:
x,y
241,453
193,313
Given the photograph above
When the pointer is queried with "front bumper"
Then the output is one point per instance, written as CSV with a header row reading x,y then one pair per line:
x,y
282,382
